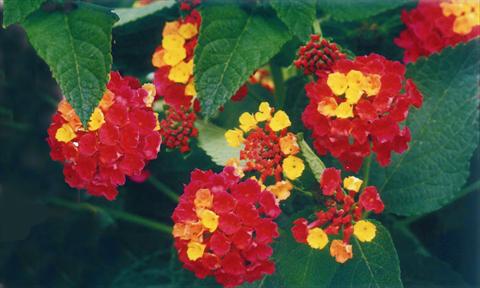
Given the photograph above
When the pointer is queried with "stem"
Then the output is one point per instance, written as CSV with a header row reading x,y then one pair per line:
x,y
366,172
167,191
279,85
121,215
316,28
16,126
304,192
470,188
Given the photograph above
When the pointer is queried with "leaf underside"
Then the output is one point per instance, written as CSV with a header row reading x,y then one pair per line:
x,y
231,45
76,46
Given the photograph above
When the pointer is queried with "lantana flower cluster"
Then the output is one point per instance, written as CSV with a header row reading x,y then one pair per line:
x,y
224,227
121,138
434,25
318,56
343,215
357,108
267,146
174,60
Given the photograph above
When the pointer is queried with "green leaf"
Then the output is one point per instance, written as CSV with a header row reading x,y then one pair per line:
x,y
349,10
130,15
374,264
298,15
232,44
314,162
76,45
445,133
211,138
15,11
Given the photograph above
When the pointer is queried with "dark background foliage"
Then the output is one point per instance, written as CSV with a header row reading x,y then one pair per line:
x,y
50,246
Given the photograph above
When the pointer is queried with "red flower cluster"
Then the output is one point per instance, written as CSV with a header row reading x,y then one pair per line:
x,y
434,25
122,137
178,128
223,227
317,56
357,108
342,214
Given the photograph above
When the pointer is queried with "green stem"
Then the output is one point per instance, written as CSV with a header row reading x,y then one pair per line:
x,y
304,192
121,215
470,188
167,191
279,85
316,28
16,126
366,172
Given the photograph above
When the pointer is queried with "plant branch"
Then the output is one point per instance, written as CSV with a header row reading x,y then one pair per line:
x,y
120,215
316,28
167,191
366,171
279,85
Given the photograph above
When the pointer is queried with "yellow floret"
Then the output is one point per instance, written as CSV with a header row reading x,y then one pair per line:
x,y
327,107
279,121
247,121
180,73
173,42
170,28
337,82
195,250
96,120
188,30
173,57
65,133
352,183
234,137
317,238
344,110
364,231
293,167
190,89
208,218
264,112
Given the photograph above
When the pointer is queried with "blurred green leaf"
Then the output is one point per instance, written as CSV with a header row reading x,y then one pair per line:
x,y
298,15
445,133
413,256
232,44
15,11
296,101
349,10
211,138
76,45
